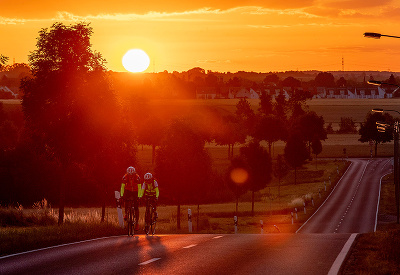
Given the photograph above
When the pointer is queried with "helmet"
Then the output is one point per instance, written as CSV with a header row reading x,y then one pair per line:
x,y
131,170
148,176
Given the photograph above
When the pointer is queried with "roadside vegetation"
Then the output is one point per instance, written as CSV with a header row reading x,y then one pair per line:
x,y
36,227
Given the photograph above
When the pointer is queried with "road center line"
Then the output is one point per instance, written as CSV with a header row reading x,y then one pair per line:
x,y
217,237
190,246
150,261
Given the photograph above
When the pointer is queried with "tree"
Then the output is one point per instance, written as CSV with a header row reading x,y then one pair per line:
x,y
316,147
183,166
3,61
238,178
266,105
151,133
325,79
369,132
245,114
271,78
347,126
341,82
229,132
260,167
67,116
291,82
280,170
311,127
296,152
270,128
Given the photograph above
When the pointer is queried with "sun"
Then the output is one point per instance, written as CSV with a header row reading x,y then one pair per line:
x,y
136,60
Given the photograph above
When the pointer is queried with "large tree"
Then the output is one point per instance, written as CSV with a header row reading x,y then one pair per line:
x,y
369,133
296,152
68,107
311,128
260,167
183,166
270,128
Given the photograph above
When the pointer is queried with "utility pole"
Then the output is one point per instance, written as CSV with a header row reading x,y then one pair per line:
x,y
396,167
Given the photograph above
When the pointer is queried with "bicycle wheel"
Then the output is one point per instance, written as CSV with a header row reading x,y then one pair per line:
x,y
134,221
153,221
130,223
148,223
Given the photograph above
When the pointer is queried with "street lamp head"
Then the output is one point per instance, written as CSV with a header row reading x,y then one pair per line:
x,y
375,82
372,35
377,110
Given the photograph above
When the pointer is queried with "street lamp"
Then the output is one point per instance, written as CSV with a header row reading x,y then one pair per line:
x,y
381,126
380,83
378,35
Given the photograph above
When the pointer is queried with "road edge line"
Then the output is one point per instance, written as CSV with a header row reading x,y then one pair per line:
x,y
334,188
337,264
56,246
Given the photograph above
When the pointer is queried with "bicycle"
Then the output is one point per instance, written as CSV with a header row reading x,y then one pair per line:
x,y
131,218
151,216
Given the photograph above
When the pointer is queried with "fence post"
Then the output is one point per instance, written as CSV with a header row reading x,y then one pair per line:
x,y
235,220
262,226
190,220
292,217
304,204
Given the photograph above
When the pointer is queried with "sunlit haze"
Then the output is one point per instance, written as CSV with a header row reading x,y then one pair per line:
x,y
223,36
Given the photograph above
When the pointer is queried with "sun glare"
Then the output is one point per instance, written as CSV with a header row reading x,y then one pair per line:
x,y
136,61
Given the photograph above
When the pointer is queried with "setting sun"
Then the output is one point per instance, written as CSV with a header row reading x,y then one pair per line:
x,y
136,60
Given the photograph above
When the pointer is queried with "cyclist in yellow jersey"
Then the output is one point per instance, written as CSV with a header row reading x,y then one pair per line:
x,y
131,190
150,191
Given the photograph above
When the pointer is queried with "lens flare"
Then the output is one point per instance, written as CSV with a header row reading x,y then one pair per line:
x,y
239,176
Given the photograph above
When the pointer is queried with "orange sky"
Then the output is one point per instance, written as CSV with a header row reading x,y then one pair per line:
x,y
230,35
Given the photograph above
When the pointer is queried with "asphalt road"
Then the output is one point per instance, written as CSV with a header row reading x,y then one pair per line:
x,y
351,208
185,254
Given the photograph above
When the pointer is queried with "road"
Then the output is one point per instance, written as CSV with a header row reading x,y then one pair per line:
x,y
351,208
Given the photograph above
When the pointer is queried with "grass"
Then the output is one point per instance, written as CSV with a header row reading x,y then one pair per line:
x,y
26,229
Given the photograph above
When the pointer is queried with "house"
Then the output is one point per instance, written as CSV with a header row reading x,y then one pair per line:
x,y
206,93
245,93
7,93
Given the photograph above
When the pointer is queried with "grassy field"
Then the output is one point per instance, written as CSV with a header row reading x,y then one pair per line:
x,y
374,253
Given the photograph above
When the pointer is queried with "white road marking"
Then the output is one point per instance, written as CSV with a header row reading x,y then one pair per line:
x,y
217,237
150,261
342,255
190,246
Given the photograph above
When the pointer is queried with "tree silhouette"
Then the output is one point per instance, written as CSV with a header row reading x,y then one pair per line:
x,y
3,61
271,129
369,132
238,178
66,115
311,127
296,152
183,167
316,147
230,132
325,79
259,164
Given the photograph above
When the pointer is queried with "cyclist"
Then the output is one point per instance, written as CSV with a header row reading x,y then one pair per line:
x,y
150,191
130,191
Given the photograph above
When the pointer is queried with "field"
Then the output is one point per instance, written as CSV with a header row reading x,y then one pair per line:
x,y
274,204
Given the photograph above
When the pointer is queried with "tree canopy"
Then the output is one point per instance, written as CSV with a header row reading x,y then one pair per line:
x,y
69,106
368,131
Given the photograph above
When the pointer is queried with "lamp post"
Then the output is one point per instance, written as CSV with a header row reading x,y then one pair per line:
x,y
381,126
378,35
